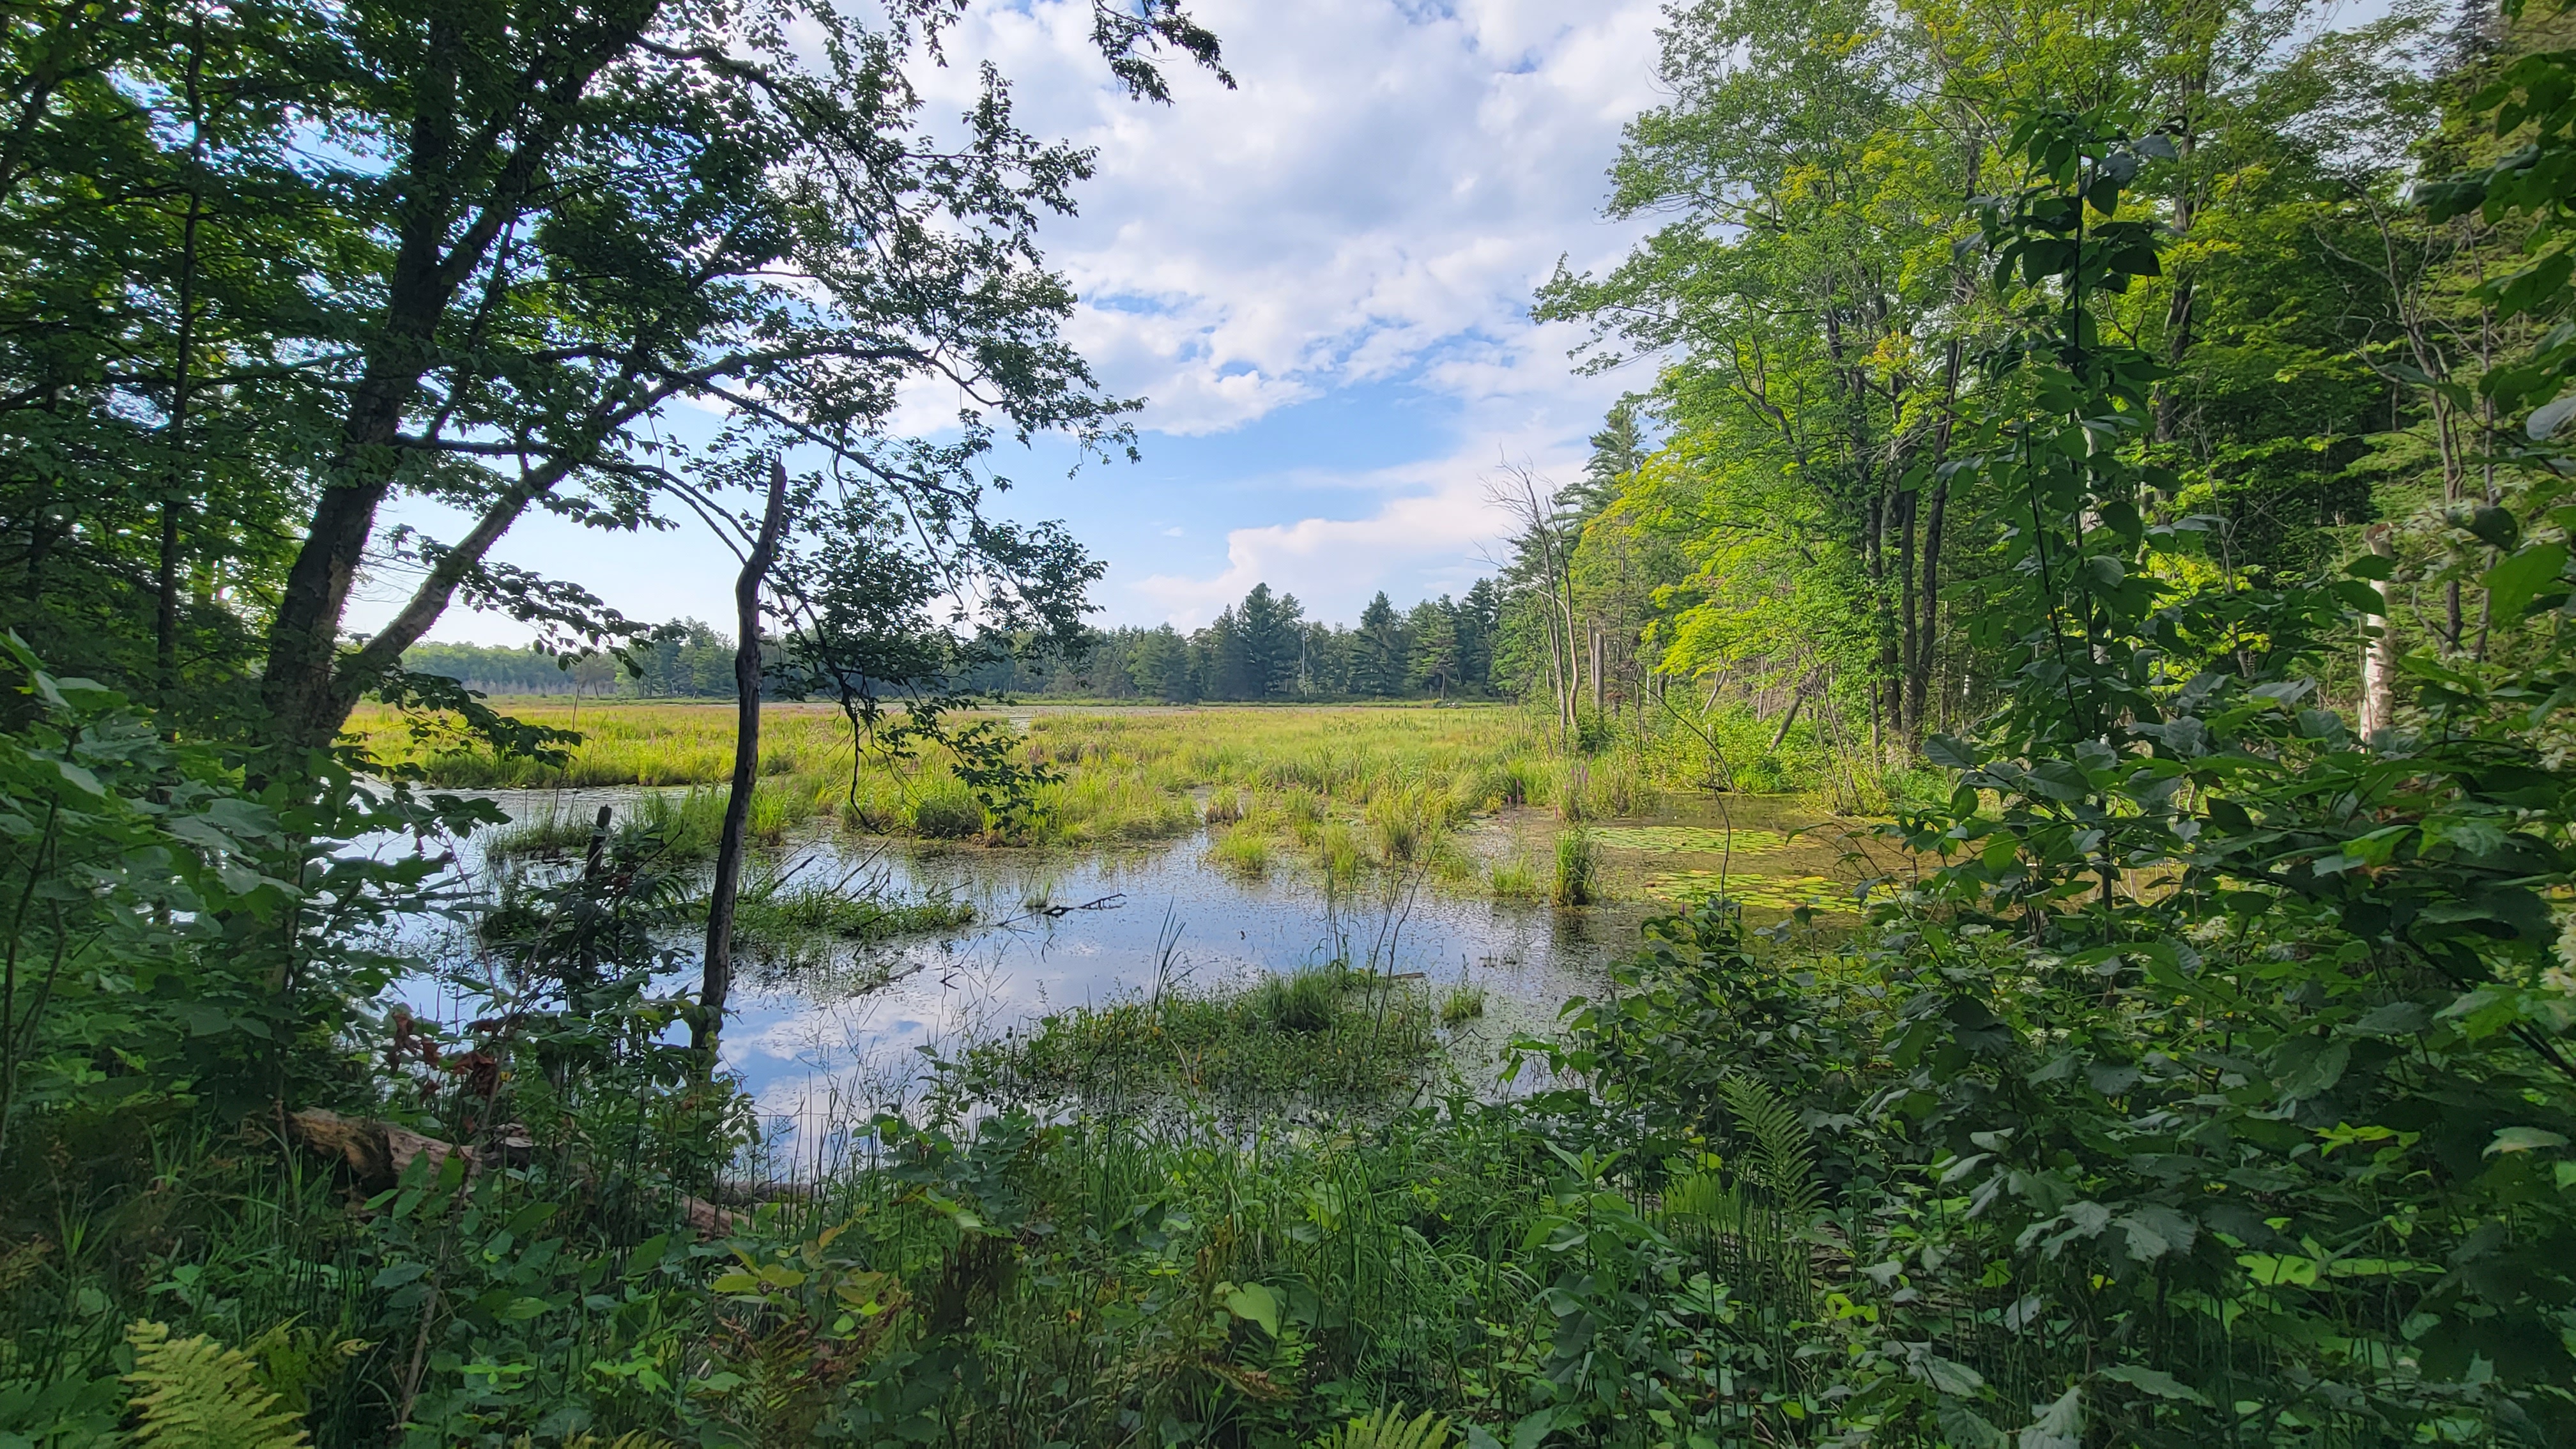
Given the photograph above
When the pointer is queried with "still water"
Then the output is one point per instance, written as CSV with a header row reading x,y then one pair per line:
x,y
830,1031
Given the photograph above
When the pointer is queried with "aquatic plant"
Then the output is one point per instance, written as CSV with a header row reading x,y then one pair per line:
x,y
1577,871
1514,879
947,811
1464,1003
1244,851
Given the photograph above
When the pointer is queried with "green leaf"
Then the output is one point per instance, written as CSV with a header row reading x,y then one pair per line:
x,y
1965,1428
2514,581
2494,527
2154,1381
2523,1139
2059,1426
1255,1304
2154,1231
1949,1377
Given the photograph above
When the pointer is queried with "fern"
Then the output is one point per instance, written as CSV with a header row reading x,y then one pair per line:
x,y
1709,1199
194,1393
1388,1429
1783,1160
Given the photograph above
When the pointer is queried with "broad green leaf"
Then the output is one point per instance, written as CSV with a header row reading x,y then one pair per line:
x,y
1254,1303
2153,1381
2520,577
2524,1139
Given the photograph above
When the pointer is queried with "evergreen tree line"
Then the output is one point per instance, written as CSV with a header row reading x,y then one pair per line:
x,y
1266,648
1261,648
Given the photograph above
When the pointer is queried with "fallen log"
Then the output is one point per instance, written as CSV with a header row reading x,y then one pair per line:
x,y
377,1154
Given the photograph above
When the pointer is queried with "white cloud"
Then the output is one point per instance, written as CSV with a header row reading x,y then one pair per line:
x,y
1389,178
1371,210
1373,207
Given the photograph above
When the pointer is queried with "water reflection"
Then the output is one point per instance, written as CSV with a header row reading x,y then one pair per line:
x,y
829,1031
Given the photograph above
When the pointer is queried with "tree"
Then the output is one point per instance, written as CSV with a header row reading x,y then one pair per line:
x,y
1432,663
1269,642
1382,649
1159,662
1479,619
530,228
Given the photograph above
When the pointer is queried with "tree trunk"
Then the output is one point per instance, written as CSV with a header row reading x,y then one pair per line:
x,y
717,980
165,581
1596,642
2379,654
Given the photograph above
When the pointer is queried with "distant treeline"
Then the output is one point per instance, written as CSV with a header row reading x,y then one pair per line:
x,y
1266,648
1262,648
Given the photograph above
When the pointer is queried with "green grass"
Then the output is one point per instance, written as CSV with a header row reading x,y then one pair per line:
x,y
1513,880
821,911
1126,775
1463,1004
1244,852
1323,1033
1578,870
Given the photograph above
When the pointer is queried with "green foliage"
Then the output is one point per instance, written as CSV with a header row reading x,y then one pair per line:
x,y
194,1393
1389,1429
948,813
1577,870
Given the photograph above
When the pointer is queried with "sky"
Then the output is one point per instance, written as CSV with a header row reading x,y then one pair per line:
x,y
1319,283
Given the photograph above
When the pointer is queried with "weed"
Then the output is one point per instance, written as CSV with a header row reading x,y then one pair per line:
x,y
1513,880
1243,851
1463,1004
947,811
1577,870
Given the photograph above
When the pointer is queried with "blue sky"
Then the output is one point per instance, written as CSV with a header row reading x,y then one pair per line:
x,y
1318,282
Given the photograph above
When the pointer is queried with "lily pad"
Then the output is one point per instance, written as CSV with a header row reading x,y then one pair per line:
x,y
1763,892
1685,839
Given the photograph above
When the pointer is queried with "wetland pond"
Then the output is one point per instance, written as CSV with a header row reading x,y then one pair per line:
x,y
824,1030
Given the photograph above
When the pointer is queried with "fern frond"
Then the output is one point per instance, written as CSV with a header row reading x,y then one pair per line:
x,y
194,1393
1707,1198
1388,1429
1784,1152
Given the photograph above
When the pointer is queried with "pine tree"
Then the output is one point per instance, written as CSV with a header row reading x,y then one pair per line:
x,y
1380,667
1433,665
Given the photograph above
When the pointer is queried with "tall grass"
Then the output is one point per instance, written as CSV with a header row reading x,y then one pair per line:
x,y
1123,776
1577,870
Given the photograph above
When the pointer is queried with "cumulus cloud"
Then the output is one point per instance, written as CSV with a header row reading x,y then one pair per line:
x,y
1387,178
1372,208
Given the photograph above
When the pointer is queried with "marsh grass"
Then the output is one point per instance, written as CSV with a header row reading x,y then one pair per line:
x,y
843,916
1320,1033
1244,852
1126,775
1578,870
1514,879
1463,1004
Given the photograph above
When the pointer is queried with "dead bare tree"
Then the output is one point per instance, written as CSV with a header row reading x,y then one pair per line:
x,y
1544,552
